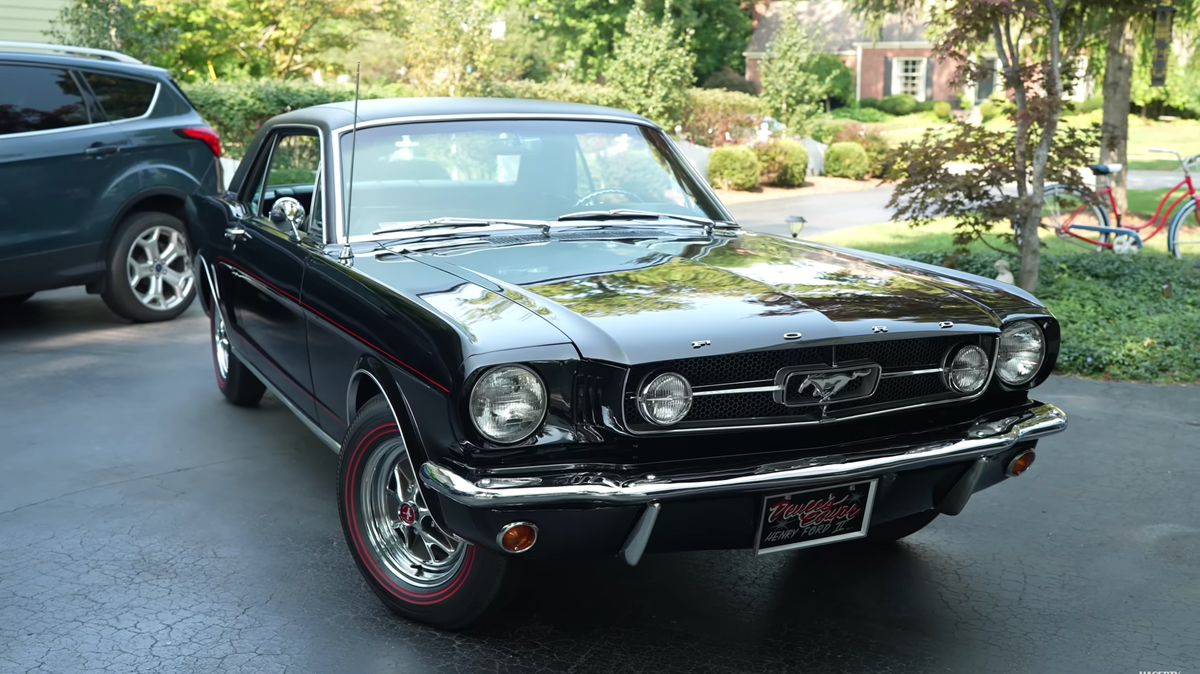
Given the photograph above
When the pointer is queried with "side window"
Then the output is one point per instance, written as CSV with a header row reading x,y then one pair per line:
x,y
121,97
292,171
39,99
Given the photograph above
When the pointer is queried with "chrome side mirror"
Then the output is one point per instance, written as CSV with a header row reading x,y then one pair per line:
x,y
288,211
796,224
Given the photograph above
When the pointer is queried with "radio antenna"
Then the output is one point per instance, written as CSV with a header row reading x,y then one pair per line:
x,y
347,255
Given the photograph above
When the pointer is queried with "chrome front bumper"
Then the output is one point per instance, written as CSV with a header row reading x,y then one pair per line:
x,y
577,487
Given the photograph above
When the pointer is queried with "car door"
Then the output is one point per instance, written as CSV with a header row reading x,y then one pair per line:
x,y
262,275
57,154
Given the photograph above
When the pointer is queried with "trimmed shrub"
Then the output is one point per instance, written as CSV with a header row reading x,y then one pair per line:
x,y
825,129
1091,104
726,78
965,102
925,106
236,109
898,104
733,168
711,113
942,109
988,110
845,160
783,162
868,102
868,115
871,140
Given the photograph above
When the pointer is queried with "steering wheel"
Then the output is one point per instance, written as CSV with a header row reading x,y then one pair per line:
x,y
589,199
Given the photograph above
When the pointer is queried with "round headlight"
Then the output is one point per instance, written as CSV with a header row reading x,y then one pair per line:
x,y
969,370
508,403
1022,348
665,399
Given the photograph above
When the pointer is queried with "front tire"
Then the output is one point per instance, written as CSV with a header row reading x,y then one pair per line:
x,y
149,275
237,383
1178,241
418,570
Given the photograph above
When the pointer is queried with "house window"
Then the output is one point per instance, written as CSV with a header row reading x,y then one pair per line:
x,y
908,77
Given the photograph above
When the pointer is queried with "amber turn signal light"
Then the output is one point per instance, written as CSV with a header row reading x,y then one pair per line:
x,y
1020,463
518,536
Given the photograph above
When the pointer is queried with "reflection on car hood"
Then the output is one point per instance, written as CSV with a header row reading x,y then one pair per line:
x,y
642,301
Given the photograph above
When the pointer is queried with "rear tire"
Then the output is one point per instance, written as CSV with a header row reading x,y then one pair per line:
x,y
890,532
149,275
14,300
237,383
418,570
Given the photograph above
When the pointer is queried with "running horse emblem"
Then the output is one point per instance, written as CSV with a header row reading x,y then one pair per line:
x,y
825,386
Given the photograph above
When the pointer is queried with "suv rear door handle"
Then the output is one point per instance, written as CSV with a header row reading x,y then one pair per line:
x,y
101,151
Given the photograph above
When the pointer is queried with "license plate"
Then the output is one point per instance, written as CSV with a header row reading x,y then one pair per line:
x,y
803,519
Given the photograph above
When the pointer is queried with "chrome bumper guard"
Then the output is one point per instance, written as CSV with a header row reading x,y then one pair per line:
x,y
982,439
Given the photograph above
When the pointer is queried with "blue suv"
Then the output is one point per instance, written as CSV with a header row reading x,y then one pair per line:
x,y
98,154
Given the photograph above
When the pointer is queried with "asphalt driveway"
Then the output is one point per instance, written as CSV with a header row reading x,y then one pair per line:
x,y
146,525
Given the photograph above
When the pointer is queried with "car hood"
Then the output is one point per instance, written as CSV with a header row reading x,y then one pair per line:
x,y
636,301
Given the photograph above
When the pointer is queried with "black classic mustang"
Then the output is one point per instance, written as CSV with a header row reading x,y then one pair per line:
x,y
531,330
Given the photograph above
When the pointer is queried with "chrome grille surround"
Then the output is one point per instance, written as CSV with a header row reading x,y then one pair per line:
x,y
912,375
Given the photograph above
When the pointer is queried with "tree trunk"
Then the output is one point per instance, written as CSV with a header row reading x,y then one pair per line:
x,y
1118,84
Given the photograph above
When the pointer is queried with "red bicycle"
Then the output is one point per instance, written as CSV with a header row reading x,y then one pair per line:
x,y
1078,215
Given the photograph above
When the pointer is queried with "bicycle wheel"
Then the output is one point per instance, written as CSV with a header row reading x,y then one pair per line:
x,y
1065,206
1183,236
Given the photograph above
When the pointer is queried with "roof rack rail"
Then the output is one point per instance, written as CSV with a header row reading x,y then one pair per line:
x,y
65,49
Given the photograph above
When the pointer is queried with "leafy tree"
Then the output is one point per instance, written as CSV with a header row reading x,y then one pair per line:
x,y
586,31
792,87
839,88
449,51
255,38
652,67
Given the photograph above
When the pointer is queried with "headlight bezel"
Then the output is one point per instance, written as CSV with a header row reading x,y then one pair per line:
x,y
532,428
643,390
1042,353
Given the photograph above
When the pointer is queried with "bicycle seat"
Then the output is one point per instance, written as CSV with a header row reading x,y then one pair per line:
x,y
1105,169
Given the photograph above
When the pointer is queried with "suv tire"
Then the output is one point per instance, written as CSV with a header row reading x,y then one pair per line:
x,y
149,275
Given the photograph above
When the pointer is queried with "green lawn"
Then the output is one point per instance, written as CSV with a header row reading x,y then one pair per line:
x,y
1118,320
1182,136
898,238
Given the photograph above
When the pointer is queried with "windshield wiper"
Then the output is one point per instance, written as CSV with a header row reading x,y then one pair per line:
x,y
437,223
631,214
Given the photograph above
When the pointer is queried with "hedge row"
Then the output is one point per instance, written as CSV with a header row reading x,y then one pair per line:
x,y
1117,322
237,109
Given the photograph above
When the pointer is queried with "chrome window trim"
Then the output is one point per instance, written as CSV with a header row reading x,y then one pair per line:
x,y
342,236
90,125
320,168
708,429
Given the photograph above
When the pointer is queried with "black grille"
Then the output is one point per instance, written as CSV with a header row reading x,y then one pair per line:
x,y
761,367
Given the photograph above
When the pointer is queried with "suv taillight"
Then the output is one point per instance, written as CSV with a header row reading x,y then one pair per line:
x,y
203,133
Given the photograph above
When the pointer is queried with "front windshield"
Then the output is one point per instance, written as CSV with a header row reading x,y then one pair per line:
x,y
512,170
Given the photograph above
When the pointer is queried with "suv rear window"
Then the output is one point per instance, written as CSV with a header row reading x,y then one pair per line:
x,y
121,97
33,98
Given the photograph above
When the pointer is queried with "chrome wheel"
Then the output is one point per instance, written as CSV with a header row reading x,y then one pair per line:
x,y
159,268
400,531
220,342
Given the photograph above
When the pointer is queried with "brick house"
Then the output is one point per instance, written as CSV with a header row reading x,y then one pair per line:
x,y
898,60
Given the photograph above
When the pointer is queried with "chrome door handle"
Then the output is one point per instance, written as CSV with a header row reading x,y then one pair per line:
x,y
101,151
236,233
